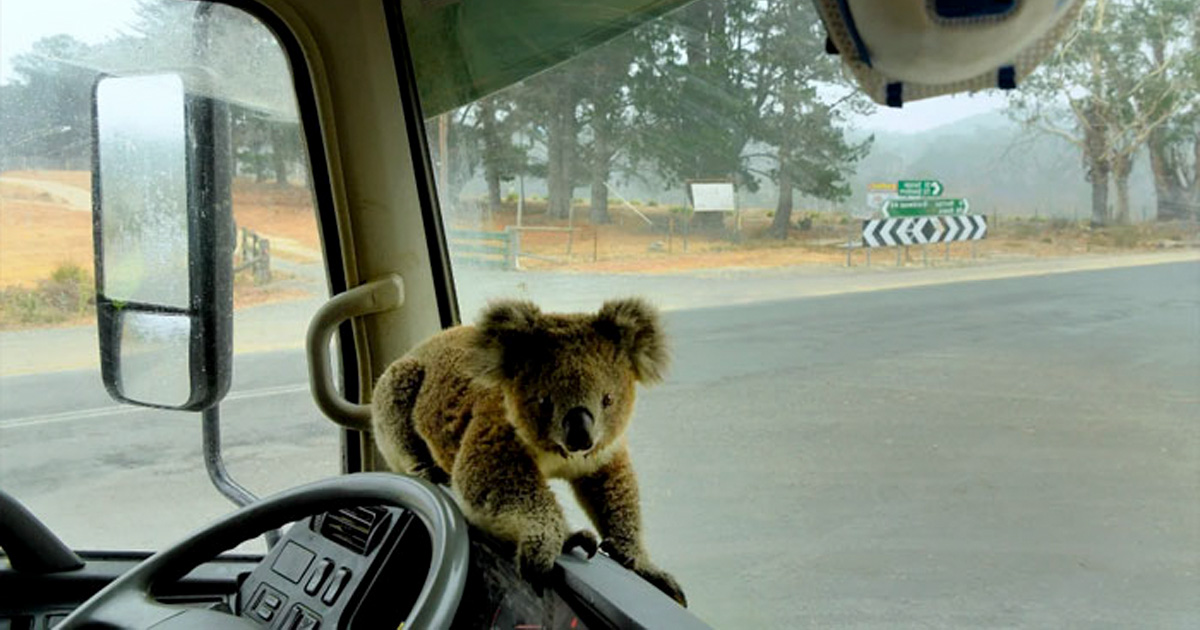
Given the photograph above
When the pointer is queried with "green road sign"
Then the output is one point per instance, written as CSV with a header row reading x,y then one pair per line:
x,y
923,207
919,188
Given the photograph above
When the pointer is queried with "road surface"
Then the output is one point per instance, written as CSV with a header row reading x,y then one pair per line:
x,y
1020,452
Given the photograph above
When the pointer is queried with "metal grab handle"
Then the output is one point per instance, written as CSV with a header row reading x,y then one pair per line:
x,y
373,297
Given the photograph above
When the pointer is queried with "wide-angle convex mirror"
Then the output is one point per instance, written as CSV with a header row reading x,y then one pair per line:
x,y
163,234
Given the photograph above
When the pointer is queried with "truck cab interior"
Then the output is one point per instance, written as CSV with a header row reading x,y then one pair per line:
x,y
187,102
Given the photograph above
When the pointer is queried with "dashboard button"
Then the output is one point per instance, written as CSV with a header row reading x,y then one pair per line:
x,y
268,602
340,577
305,621
265,612
318,577
292,562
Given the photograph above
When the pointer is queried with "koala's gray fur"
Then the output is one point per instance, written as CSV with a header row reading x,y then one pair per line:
x,y
525,396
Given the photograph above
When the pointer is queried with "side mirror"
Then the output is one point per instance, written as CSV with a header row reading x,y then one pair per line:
x,y
164,238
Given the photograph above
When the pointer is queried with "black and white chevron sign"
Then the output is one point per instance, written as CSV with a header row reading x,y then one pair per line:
x,y
923,230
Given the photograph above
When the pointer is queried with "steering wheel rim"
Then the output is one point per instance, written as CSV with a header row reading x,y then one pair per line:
x,y
126,602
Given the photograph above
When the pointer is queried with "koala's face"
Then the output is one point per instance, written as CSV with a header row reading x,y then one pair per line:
x,y
574,396
570,380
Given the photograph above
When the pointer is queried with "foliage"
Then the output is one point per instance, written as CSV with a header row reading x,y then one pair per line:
x,y
1126,76
67,295
46,115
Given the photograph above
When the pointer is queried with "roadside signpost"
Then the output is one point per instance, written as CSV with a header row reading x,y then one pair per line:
x,y
713,195
924,207
877,194
919,188
915,213
922,230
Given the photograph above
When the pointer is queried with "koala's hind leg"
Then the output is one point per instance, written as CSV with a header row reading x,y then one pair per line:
x,y
392,418
503,492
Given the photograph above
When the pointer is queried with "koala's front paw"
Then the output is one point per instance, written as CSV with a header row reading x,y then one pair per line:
x,y
661,580
584,540
535,558
432,474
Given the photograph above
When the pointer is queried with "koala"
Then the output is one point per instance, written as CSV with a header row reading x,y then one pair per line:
x,y
524,396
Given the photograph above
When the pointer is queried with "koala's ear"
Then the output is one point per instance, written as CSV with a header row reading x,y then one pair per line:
x,y
503,330
633,325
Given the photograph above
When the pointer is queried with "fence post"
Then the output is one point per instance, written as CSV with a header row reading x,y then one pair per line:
x,y
849,242
262,263
514,247
570,228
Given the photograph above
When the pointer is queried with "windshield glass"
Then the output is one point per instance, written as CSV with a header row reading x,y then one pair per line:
x,y
102,475
932,366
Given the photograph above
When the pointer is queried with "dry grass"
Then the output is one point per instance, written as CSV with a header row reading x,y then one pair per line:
x,y
40,233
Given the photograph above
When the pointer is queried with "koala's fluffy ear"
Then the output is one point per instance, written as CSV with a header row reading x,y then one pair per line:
x,y
633,325
504,327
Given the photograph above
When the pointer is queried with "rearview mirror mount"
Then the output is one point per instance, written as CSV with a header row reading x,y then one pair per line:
x,y
164,238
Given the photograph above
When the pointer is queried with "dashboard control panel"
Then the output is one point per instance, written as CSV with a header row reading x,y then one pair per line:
x,y
354,567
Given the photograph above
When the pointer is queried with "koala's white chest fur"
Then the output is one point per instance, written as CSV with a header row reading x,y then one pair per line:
x,y
555,466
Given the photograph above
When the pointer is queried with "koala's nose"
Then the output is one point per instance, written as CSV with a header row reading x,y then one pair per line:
x,y
577,425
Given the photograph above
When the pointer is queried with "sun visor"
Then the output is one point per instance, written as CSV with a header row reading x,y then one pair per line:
x,y
906,50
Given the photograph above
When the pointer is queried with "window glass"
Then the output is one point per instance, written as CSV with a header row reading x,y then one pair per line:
x,y
979,412
108,476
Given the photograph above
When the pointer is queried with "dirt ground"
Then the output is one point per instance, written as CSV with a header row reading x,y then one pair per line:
x,y
40,232
46,223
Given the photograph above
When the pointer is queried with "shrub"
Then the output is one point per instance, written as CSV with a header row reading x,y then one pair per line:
x,y
67,294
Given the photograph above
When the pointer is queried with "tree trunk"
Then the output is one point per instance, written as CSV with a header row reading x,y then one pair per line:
x,y
1096,151
601,166
491,152
1099,180
279,139
598,212
783,210
1170,196
560,153
1122,167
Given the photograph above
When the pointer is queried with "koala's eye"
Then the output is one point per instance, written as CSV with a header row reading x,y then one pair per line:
x,y
607,401
545,405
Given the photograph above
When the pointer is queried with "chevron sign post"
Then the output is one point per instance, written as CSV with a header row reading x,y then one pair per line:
x,y
922,230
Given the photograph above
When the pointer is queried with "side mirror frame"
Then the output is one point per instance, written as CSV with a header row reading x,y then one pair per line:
x,y
122,306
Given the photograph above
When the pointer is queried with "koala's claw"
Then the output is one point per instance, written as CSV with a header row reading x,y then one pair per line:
x,y
583,540
661,580
664,582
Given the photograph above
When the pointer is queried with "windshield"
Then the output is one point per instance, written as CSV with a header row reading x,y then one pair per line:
x,y
936,366
103,475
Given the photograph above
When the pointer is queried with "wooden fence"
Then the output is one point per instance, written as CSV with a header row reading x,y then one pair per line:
x,y
254,252
480,248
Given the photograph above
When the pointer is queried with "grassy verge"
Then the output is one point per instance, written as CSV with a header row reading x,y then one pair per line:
x,y
68,295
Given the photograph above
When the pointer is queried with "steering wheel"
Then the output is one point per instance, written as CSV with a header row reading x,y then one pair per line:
x,y
127,601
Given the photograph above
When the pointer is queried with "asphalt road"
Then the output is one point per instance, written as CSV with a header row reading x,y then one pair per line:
x,y
1019,452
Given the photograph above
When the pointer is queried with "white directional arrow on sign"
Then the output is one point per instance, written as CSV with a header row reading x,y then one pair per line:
x,y
952,229
895,231
935,188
